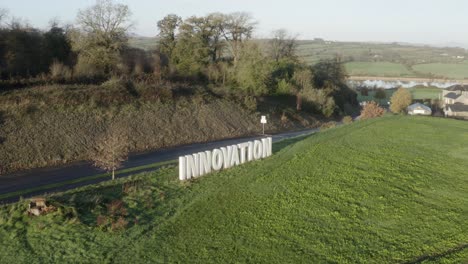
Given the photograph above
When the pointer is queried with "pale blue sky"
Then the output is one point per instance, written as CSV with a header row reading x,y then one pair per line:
x,y
417,21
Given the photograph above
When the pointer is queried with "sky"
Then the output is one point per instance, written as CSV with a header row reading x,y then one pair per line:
x,y
435,22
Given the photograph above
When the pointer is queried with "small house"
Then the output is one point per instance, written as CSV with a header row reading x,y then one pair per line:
x,y
456,110
419,109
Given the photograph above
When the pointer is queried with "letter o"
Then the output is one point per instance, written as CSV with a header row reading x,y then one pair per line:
x,y
217,159
258,149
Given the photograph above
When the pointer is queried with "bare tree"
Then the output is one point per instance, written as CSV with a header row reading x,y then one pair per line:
x,y
237,28
282,45
105,19
111,150
3,14
104,28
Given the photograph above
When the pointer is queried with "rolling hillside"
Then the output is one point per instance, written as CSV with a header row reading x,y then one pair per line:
x,y
391,190
374,59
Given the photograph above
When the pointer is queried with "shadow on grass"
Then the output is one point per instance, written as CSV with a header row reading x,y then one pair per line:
x,y
288,142
437,256
142,197
88,204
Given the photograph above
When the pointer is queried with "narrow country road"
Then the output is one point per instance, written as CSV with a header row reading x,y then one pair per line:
x,y
43,177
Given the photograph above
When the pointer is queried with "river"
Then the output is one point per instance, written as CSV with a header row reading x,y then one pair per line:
x,y
388,83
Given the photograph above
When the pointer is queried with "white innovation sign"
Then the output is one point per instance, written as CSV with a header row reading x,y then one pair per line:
x,y
201,163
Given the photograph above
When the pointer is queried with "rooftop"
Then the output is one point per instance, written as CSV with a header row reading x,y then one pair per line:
x,y
458,87
452,95
458,107
419,105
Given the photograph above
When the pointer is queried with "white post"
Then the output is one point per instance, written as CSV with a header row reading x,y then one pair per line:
x,y
263,121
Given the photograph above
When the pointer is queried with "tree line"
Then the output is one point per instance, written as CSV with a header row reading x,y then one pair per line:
x,y
216,49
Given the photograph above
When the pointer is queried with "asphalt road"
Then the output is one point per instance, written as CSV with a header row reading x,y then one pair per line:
x,y
24,180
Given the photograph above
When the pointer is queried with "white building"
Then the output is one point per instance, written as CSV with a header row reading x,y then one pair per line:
x,y
455,101
419,109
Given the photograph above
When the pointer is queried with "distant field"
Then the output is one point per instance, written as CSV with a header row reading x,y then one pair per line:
x,y
313,51
371,59
391,190
417,93
454,71
146,43
426,93
387,69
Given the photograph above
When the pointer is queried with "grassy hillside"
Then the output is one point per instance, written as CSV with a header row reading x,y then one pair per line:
x,y
386,69
52,125
384,191
313,51
453,71
145,43
373,59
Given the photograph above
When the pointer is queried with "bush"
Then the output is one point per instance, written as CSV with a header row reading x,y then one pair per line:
x,y
250,103
371,110
328,125
115,218
380,94
321,101
347,120
284,118
113,82
84,69
60,71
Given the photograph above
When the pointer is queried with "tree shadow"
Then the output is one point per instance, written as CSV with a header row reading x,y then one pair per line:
x,y
287,142
439,255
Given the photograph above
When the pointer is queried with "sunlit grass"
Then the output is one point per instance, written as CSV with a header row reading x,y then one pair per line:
x,y
381,191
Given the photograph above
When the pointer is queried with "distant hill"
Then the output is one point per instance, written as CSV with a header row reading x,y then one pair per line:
x,y
317,49
145,43
373,58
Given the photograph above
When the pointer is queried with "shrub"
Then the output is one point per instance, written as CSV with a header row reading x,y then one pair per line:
x,y
364,91
371,110
114,82
380,94
321,101
115,218
85,69
328,125
60,71
347,120
101,220
119,224
284,118
400,100
250,103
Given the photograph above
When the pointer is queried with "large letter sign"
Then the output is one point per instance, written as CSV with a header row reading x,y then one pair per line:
x,y
199,164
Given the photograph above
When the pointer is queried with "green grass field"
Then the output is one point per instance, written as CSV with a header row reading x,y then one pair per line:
x,y
418,93
426,92
312,51
454,71
381,69
392,190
